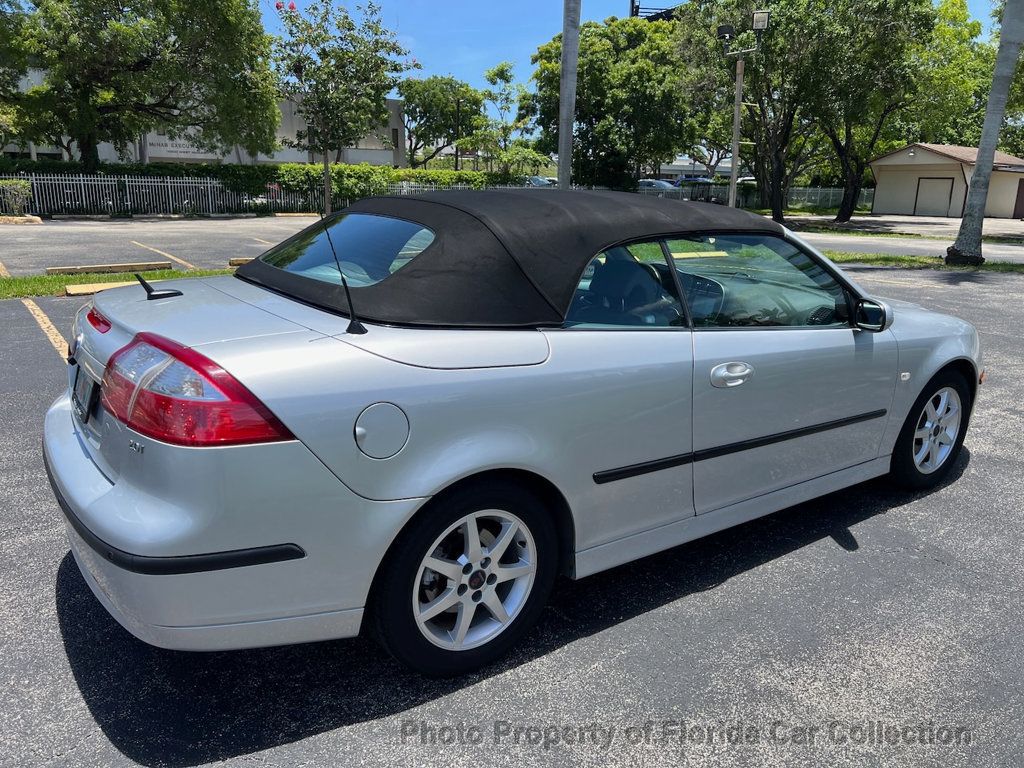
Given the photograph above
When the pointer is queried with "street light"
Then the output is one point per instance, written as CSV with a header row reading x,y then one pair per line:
x,y
726,33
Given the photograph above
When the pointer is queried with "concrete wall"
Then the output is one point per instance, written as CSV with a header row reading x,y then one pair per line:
x,y
1002,193
897,186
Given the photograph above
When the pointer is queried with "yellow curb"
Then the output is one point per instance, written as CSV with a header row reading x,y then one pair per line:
x,y
133,266
3,270
238,262
166,255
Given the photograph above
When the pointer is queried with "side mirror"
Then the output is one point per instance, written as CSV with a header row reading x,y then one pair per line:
x,y
871,315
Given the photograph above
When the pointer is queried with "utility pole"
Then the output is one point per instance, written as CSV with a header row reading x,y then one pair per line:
x,y
737,106
567,89
458,124
726,33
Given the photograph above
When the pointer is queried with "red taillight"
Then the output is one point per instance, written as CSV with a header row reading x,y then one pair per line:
x,y
98,321
175,394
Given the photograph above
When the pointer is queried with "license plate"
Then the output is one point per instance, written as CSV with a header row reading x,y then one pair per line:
x,y
82,395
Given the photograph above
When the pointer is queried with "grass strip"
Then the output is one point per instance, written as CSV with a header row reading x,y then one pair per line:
x,y
53,285
916,262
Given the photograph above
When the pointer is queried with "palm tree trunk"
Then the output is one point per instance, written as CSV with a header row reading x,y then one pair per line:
x,y
967,248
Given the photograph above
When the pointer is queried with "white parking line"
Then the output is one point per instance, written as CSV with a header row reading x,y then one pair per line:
x,y
164,254
261,240
54,336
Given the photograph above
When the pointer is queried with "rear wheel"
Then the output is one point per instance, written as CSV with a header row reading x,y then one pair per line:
x,y
933,433
466,580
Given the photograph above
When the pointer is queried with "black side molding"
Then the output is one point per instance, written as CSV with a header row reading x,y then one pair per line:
x,y
163,566
632,470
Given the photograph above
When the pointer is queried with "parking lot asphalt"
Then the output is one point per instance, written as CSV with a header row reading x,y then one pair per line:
x,y
203,243
210,243
867,606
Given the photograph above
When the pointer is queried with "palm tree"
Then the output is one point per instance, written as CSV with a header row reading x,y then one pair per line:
x,y
967,248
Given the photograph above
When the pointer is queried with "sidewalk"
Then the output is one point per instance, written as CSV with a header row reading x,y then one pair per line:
x,y
933,226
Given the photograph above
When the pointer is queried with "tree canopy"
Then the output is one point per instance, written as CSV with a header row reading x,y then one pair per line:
x,y
630,109
864,71
337,72
112,71
437,111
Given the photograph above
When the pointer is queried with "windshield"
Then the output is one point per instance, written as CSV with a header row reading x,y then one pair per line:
x,y
369,248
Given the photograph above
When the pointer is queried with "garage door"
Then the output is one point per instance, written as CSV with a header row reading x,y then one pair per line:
x,y
933,196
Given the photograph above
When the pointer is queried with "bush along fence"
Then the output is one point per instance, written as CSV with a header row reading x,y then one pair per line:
x,y
15,196
234,189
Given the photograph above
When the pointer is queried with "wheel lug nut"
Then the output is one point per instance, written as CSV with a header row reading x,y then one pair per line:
x,y
492,578
462,589
477,595
467,568
485,562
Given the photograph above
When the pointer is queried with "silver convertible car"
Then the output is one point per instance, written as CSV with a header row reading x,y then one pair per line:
x,y
411,417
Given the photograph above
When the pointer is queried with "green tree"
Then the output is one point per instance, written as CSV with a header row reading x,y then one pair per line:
x,y
501,136
338,73
777,83
953,77
863,70
437,112
115,70
631,111
12,50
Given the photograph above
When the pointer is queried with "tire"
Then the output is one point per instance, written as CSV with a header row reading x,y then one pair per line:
x,y
477,587
907,468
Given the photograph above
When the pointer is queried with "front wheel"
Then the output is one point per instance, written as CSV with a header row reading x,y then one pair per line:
x,y
466,580
932,435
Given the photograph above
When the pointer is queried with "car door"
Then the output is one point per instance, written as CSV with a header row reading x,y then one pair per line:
x,y
784,388
626,342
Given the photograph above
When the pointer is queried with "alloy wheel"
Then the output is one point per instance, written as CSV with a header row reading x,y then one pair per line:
x,y
937,429
474,580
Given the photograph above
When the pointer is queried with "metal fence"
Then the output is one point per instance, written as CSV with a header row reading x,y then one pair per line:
x,y
81,194
747,195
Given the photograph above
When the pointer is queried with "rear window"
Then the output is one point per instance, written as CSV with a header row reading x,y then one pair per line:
x,y
369,248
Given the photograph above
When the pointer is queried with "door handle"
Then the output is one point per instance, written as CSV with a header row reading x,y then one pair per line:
x,y
728,375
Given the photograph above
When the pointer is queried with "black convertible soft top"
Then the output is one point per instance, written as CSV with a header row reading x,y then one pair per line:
x,y
503,258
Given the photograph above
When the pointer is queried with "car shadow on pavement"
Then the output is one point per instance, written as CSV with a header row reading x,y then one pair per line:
x,y
172,708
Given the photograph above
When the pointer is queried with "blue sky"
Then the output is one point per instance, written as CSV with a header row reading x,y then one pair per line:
x,y
465,37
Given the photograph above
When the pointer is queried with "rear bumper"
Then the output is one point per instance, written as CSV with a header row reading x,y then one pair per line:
x,y
169,574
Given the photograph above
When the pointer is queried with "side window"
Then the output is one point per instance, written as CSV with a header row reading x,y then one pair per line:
x,y
755,280
627,286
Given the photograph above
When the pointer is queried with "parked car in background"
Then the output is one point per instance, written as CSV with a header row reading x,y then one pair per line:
x,y
410,417
536,181
684,181
654,184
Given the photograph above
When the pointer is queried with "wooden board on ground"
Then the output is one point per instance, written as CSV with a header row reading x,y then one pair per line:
x,y
134,266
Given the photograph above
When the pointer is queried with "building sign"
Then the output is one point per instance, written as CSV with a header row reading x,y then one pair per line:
x,y
160,147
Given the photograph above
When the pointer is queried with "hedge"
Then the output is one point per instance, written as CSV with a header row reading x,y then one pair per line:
x,y
14,196
348,181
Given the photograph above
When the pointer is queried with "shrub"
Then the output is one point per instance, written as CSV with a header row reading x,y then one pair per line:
x,y
14,195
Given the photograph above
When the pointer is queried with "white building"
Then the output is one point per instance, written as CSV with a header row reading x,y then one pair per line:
x,y
384,146
932,180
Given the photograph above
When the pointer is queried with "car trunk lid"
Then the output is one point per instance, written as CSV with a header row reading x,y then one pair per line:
x,y
201,314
